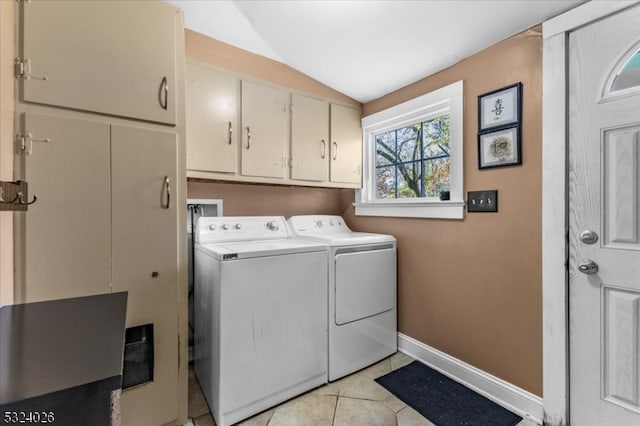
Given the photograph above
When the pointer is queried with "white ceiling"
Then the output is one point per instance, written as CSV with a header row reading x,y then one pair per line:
x,y
367,48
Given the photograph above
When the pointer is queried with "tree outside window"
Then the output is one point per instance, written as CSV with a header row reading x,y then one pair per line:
x,y
414,161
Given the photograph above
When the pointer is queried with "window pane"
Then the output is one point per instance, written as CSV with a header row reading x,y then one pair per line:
x,y
409,176
436,137
385,182
386,148
413,161
436,176
409,143
629,74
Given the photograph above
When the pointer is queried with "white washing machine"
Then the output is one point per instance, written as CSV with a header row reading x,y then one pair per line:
x,y
260,314
362,292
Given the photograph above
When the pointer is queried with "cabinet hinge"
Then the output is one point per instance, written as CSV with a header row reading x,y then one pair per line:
x,y
25,140
22,70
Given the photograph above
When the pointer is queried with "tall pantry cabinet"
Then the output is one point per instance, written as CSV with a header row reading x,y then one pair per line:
x,y
100,140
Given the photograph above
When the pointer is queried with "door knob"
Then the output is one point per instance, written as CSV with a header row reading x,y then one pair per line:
x,y
588,267
588,237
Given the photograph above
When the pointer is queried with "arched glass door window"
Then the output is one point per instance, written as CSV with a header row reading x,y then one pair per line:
x,y
628,75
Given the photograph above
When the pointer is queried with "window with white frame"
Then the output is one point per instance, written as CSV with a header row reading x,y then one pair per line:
x,y
413,158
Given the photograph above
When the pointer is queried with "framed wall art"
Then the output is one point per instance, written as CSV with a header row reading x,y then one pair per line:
x,y
500,148
501,107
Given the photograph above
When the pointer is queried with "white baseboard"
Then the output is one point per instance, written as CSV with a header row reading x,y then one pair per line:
x,y
518,400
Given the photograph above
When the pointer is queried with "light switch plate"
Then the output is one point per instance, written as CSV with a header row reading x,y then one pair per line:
x,y
482,201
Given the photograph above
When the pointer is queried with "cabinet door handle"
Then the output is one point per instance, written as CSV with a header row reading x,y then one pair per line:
x,y
335,150
230,133
163,93
324,149
166,186
248,137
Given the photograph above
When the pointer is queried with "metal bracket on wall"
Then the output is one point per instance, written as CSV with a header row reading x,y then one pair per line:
x,y
14,196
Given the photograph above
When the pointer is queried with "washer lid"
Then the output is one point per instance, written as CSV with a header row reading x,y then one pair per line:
x,y
251,249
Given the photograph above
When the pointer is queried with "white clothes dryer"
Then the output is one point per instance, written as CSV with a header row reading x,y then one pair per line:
x,y
362,292
260,314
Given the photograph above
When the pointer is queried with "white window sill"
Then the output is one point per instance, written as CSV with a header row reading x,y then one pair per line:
x,y
424,209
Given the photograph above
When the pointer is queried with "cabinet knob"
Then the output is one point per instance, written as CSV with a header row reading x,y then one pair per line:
x,y
335,149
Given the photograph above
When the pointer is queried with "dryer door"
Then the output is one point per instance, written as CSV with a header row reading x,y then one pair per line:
x,y
365,284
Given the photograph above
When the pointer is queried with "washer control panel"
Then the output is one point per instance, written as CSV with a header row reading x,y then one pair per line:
x,y
240,228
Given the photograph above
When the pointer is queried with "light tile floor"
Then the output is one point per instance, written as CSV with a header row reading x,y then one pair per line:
x,y
356,400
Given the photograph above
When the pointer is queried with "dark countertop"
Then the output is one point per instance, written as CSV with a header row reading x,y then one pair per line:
x,y
50,346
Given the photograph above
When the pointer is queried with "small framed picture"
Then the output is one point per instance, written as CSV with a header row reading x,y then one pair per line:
x,y
500,107
500,148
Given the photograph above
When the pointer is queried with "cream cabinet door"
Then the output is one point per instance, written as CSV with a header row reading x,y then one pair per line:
x,y
63,242
144,257
309,138
265,130
110,57
346,145
212,119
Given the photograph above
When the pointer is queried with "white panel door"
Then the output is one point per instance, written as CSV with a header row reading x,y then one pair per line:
x,y
111,57
604,194
309,138
265,130
346,145
212,109
144,212
66,243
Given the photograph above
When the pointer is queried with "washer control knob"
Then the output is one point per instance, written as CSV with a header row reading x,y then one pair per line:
x,y
212,227
273,225
238,226
319,224
331,222
225,226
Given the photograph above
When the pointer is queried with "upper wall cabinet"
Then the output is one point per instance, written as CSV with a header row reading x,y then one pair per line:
x,y
212,106
91,56
346,145
246,131
265,121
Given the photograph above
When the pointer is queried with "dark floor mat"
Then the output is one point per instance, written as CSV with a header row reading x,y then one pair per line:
x,y
443,401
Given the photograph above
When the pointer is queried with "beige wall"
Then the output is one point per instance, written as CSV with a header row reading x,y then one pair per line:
x,y
219,54
240,199
472,287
